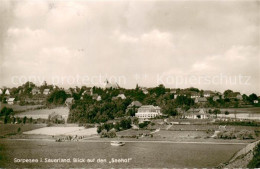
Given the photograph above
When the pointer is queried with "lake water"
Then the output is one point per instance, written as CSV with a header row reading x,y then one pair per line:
x,y
140,154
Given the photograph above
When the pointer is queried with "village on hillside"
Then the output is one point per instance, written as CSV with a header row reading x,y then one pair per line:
x,y
112,112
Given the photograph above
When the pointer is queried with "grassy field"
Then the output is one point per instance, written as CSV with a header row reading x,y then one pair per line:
x,y
18,108
44,113
12,129
54,131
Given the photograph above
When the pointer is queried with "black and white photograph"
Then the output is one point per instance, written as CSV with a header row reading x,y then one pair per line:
x,y
130,84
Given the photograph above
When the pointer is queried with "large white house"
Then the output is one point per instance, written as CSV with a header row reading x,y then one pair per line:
x,y
10,101
148,111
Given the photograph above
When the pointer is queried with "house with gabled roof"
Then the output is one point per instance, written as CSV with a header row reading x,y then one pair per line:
x,y
88,91
207,93
109,85
68,92
215,98
133,105
122,96
196,114
194,95
36,91
200,100
10,101
46,91
69,101
7,92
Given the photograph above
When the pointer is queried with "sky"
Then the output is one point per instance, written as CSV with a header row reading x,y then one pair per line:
x,y
211,45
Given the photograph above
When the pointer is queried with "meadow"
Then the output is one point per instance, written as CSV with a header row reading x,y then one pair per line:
x,y
56,131
44,113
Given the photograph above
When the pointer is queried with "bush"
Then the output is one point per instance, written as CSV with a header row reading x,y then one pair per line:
x,y
244,134
110,134
144,124
255,162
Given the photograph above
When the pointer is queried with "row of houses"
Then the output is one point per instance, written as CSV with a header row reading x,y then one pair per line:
x,y
5,92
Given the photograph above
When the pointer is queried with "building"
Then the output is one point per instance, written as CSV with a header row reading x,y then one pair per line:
x,y
133,105
207,93
99,98
96,97
109,85
10,101
255,101
35,91
194,95
239,97
200,100
235,95
69,101
122,96
68,92
215,98
144,90
196,114
173,91
148,112
46,91
88,91
7,92
1,91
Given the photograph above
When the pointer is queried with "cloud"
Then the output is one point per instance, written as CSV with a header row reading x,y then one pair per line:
x,y
130,37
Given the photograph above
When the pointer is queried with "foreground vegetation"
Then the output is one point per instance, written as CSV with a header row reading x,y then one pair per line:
x,y
255,162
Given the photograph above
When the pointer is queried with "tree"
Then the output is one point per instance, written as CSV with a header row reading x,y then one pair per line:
x,y
216,112
226,112
58,97
252,97
6,111
24,119
227,93
135,120
170,110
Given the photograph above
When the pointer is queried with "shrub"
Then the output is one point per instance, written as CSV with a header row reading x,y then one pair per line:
x,y
255,162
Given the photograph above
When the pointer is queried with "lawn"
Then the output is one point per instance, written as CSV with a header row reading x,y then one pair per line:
x,y
44,113
12,129
54,131
18,108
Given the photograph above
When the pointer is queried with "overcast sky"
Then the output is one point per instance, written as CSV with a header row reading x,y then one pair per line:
x,y
205,44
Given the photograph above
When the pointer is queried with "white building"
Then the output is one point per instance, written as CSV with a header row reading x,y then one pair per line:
x,y
1,92
99,98
196,114
46,91
207,93
7,92
10,101
69,101
148,111
109,85
122,96
194,95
